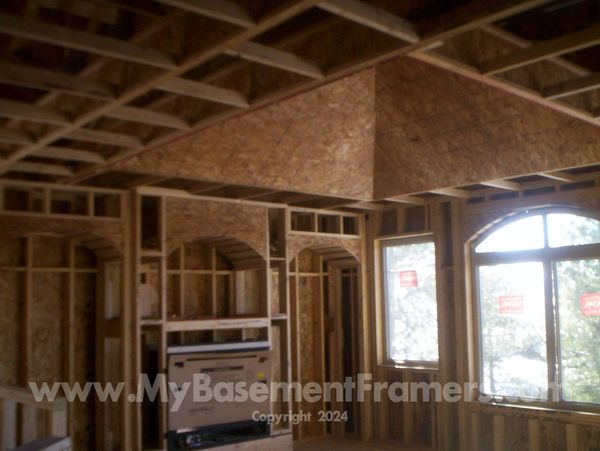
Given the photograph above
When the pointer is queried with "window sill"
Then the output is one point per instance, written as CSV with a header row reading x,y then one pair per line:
x,y
405,367
574,413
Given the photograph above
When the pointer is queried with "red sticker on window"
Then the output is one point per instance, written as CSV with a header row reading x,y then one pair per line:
x,y
590,304
510,304
408,279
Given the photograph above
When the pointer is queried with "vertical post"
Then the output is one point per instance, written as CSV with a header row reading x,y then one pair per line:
x,y
69,332
572,437
8,424
130,357
28,423
534,435
27,300
499,433
56,423
100,407
475,431
162,357
364,325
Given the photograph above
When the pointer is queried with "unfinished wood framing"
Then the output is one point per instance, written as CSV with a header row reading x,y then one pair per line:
x,y
213,176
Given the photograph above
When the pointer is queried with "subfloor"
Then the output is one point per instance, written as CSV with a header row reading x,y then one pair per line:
x,y
345,445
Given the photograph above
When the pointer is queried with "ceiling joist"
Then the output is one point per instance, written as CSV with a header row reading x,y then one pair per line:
x,y
33,77
269,56
225,10
452,192
572,87
502,184
42,168
68,154
204,91
202,55
410,200
9,136
373,17
433,30
559,176
108,138
23,111
79,40
145,116
544,50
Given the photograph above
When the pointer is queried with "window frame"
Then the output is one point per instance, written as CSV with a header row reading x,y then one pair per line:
x,y
548,256
401,240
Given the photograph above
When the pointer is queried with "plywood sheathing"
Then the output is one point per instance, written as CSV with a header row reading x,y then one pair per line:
x,y
319,142
298,243
436,130
190,220
16,226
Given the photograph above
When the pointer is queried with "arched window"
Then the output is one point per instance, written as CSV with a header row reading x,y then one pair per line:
x,y
537,287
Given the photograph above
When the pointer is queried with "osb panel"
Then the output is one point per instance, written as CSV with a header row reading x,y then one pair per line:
x,y
553,436
189,220
49,252
252,292
297,243
10,318
12,252
517,433
16,226
84,329
319,142
197,295
436,129
46,328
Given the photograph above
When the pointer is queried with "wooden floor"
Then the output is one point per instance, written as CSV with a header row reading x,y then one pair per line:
x,y
344,445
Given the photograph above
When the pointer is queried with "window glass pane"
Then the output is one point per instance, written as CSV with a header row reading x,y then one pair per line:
x,y
411,302
513,330
522,234
571,230
578,284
